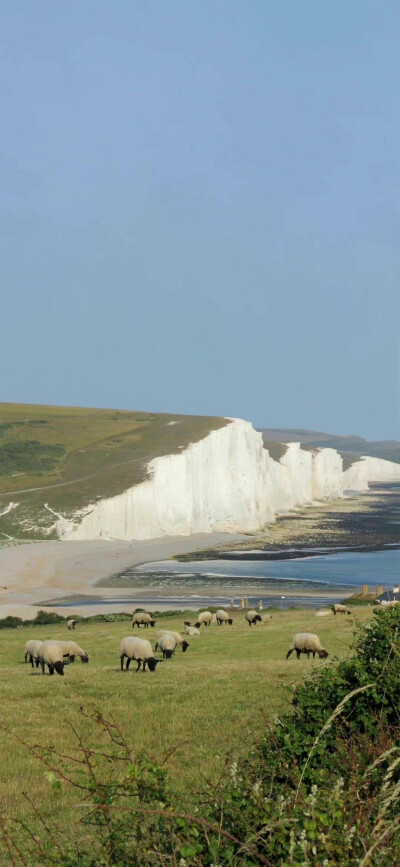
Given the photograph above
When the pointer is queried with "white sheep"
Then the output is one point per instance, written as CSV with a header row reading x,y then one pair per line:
x,y
32,650
340,609
142,618
306,642
180,640
223,617
71,624
140,650
266,618
50,653
204,617
191,630
71,649
252,617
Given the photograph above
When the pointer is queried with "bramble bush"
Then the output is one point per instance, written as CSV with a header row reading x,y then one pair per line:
x,y
320,789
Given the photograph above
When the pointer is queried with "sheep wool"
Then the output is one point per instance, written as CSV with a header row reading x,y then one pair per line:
x,y
252,617
142,618
340,609
180,640
204,617
191,630
32,651
306,642
140,650
223,617
71,649
51,654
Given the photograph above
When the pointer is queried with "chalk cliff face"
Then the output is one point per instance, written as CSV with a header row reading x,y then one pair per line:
x,y
227,481
369,469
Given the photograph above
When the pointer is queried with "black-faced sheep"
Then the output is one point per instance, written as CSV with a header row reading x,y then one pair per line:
x,y
252,617
167,644
51,654
180,640
71,649
140,650
32,651
71,625
223,617
142,618
340,609
306,642
204,617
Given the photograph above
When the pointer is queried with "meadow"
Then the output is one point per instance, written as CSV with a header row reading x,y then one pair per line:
x,y
212,700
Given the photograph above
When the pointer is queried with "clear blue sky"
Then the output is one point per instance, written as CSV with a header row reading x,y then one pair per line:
x,y
199,208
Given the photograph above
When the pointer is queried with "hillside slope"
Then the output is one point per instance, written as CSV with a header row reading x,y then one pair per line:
x,y
69,457
350,447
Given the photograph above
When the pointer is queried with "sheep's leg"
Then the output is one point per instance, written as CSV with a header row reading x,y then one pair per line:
x,y
128,662
26,656
144,665
138,664
298,652
122,661
289,652
42,664
31,660
51,669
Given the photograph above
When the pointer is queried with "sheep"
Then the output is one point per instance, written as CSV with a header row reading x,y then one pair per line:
x,y
252,617
31,651
223,617
266,618
71,649
306,642
71,624
50,653
204,617
180,640
340,609
140,650
142,618
191,630
167,644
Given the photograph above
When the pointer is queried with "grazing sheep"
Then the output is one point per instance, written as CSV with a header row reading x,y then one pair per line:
x,y
167,644
140,650
71,624
142,618
223,617
191,630
266,618
340,609
71,649
50,653
32,650
180,640
204,617
252,617
306,642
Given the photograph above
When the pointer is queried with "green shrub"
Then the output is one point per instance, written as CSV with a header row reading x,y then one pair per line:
x,y
46,618
11,622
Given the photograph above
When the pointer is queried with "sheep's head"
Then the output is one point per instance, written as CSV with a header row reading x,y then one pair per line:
x,y
168,653
323,654
185,645
230,621
187,623
257,617
152,663
197,625
59,667
85,658
152,622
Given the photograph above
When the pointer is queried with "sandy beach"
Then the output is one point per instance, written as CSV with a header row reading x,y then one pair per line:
x,y
37,571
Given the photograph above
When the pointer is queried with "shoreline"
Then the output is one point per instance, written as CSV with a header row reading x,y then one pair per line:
x,y
72,570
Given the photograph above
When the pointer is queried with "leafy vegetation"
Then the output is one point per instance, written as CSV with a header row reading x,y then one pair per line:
x,y
29,455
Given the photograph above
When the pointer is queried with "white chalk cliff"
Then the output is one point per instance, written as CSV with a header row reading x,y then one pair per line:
x,y
367,469
226,482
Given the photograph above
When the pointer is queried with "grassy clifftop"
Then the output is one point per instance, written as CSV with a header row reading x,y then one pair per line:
x,y
70,456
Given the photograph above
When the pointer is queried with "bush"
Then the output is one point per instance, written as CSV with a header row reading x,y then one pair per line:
x,y
46,618
11,622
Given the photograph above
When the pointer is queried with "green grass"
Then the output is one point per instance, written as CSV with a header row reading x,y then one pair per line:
x,y
213,699
78,455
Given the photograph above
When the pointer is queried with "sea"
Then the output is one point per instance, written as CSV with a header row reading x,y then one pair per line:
x,y
314,580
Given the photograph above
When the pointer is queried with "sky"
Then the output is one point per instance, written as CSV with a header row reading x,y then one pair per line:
x,y
200,209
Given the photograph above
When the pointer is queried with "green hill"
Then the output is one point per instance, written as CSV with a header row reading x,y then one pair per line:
x,y
71,456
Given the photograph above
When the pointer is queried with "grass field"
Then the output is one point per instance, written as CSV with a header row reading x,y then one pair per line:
x,y
75,455
211,700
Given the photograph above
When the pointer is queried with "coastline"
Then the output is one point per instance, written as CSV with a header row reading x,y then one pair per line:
x,y
41,574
